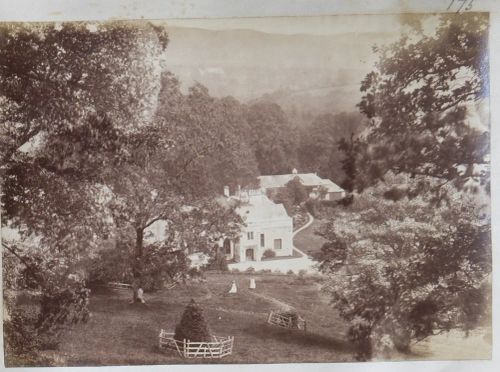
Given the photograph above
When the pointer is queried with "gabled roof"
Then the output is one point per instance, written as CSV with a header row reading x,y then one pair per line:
x,y
331,186
260,207
256,207
278,180
307,179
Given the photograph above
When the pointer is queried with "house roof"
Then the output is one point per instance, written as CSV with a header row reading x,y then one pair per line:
x,y
254,207
307,179
260,207
331,186
279,180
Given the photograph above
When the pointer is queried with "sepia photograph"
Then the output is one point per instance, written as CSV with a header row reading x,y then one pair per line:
x,y
309,189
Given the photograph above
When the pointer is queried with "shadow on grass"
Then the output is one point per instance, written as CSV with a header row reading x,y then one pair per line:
x,y
297,337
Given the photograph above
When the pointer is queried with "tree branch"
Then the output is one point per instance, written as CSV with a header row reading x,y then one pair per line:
x,y
23,261
161,217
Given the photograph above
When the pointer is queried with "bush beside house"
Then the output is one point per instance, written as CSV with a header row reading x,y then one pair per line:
x,y
269,253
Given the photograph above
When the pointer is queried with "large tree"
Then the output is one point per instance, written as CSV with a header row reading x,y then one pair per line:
x,y
400,271
412,256
318,150
272,138
292,196
68,93
54,78
171,170
425,99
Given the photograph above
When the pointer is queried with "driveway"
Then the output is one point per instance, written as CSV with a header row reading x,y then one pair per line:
x,y
305,238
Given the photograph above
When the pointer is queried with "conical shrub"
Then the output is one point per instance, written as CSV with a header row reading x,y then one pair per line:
x,y
192,326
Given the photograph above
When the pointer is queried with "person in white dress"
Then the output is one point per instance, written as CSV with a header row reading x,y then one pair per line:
x,y
233,287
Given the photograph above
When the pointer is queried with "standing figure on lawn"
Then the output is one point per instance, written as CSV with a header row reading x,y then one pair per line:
x,y
233,287
139,294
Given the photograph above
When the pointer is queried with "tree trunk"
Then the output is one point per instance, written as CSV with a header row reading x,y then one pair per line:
x,y
137,266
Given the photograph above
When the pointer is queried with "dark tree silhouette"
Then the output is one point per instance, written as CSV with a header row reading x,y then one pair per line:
x,y
192,326
420,98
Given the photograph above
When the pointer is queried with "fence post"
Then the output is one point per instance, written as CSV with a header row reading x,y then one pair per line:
x,y
209,347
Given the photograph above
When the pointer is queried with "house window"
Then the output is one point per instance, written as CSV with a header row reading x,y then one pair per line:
x,y
250,235
227,246
262,240
277,243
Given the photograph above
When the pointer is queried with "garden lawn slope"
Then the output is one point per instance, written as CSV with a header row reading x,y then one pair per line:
x,y
120,333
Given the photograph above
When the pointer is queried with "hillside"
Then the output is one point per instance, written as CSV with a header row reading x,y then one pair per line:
x,y
321,72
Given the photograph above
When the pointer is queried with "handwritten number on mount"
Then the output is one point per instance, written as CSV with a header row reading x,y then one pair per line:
x,y
460,4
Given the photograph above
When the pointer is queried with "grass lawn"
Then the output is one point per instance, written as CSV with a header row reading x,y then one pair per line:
x,y
120,333
307,241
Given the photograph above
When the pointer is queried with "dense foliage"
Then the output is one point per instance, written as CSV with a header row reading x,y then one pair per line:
x,y
98,144
427,101
64,90
291,196
192,326
269,253
410,255
41,296
400,271
171,171
317,148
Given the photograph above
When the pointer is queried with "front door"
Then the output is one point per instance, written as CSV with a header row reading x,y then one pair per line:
x,y
249,255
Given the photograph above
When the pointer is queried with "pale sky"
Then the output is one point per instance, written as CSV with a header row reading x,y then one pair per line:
x,y
325,25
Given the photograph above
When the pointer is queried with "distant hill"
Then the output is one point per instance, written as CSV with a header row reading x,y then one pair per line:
x,y
305,74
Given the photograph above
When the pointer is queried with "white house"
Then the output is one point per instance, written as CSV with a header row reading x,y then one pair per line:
x,y
267,227
311,181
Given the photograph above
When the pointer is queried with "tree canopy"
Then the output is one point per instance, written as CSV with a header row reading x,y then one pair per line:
x,y
272,138
98,143
410,256
400,272
424,100
318,146
68,92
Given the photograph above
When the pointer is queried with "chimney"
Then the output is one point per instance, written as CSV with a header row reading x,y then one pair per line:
x,y
226,191
294,171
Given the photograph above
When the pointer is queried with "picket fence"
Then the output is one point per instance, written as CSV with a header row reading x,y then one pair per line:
x,y
218,348
286,321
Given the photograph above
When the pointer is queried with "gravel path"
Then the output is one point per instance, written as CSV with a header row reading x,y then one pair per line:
x,y
311,220
275,301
